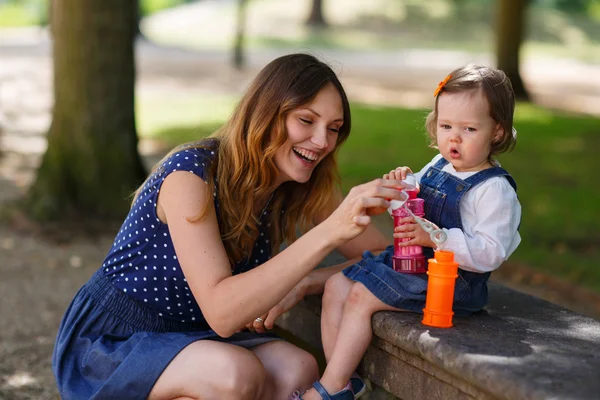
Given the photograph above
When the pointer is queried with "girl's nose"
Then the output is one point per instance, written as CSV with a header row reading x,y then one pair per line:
x,y
455,136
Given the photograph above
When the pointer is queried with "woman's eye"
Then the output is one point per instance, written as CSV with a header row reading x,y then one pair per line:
x,y
306,121
335,130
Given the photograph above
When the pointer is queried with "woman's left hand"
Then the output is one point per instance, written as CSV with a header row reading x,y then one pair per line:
x,y
290,300
408,228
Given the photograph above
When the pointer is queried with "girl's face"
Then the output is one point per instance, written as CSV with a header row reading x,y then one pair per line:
x,y
312,132
465,130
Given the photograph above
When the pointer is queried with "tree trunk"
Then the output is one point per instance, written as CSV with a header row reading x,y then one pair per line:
x,y
509,36
92,164
238,46
316,17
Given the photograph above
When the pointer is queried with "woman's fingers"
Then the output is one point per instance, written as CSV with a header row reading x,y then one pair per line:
x,y
259,324
362,220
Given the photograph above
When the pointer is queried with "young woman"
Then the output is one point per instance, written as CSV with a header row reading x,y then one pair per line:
x,y
180,307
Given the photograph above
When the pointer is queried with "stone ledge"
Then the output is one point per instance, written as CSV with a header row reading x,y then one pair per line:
x,y
520,347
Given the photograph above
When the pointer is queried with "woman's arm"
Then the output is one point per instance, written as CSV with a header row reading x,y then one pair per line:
x,y
229,302
371,239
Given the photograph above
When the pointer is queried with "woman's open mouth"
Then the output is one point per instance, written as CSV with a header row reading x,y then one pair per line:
x,y
306,156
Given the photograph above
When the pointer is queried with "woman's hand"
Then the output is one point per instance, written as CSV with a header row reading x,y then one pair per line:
x,y
398,173
353,215
408,228
290,300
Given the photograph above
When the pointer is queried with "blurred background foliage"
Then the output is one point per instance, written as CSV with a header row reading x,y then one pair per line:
x,y
556,27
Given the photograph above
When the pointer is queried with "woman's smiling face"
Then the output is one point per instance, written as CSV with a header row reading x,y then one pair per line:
x,y
312,132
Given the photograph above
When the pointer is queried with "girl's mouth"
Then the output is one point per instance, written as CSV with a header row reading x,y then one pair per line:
x,y
454,153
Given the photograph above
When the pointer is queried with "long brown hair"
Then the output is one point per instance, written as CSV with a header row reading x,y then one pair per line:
x,y
246,144
496,89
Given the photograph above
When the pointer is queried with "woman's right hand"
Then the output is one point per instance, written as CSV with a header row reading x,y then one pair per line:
x,y
353,215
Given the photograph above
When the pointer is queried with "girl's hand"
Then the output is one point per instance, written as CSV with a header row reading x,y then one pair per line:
x,y
352,216
410,229
398,173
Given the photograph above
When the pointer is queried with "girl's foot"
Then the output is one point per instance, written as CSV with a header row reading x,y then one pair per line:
x,y
319,393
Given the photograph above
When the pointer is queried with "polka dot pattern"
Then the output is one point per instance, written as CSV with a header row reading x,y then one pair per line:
x,y
142,261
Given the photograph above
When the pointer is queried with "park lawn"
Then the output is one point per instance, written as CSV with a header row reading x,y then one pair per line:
x,y
555,164
17,15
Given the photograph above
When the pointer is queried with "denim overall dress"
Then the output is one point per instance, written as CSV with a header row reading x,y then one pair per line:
x,y
442,193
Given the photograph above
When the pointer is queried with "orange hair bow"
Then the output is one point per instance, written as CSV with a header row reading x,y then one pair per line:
x,y
441,85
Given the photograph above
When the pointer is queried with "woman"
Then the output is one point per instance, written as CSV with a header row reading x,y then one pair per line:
x,y
180,306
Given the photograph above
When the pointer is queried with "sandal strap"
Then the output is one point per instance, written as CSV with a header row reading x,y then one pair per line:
x,y
341,395
321,390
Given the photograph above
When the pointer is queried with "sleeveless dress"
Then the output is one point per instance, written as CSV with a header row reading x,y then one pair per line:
x,y
137,312
442,193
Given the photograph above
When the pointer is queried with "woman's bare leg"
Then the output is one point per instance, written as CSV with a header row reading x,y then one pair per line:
x,y
287,367
334,297
207,370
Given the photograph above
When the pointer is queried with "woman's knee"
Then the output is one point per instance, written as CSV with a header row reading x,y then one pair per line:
x,y
301,371
208,369
289,367
244,377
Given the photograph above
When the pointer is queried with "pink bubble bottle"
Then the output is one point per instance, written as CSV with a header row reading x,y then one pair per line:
x,y
409,259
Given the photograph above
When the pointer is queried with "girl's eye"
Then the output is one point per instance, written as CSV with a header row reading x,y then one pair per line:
x,y
444,126
470,129
306,121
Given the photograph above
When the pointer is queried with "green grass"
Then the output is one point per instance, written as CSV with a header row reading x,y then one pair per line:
x,y
17,15
555,165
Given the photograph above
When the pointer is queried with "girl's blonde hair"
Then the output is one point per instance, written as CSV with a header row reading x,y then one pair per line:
x,y
244,167
496,89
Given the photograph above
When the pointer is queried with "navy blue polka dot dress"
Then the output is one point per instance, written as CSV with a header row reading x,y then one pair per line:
x,y
137,312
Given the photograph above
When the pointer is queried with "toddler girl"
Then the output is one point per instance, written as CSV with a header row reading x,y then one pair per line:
x,y
466,194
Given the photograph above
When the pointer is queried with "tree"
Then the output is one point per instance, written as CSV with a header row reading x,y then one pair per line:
x,y
238,45
91,165
509,36
316,17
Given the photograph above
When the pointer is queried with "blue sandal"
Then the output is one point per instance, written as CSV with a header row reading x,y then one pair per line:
x,y
345,394
358,385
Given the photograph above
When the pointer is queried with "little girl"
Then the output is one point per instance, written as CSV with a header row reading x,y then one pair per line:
x,y
466,193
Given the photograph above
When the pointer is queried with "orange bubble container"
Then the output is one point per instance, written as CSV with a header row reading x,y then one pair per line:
x,y
442,273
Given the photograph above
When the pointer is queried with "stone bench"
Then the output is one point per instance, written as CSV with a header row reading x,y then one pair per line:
x,y
519,347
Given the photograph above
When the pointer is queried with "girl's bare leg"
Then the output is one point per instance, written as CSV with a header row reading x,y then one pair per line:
x,y
354,336
334,296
